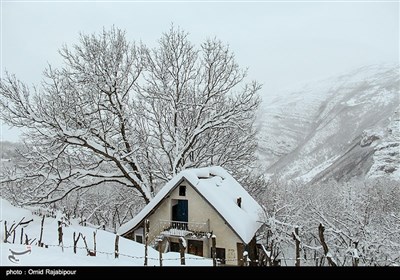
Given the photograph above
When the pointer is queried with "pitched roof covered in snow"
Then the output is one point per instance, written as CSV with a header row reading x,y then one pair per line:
x,y
221,190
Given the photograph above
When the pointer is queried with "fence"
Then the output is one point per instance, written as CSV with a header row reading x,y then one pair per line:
x,y
261,261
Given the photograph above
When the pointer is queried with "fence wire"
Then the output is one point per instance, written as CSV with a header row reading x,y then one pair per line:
x,y
262,260
219,261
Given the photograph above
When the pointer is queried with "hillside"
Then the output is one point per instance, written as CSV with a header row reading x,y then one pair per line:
x,y
130,253
342,127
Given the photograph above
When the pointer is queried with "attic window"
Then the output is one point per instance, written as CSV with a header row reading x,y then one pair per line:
x,y
182,190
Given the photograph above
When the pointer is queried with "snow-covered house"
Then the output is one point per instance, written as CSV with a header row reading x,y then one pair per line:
x,y
196,204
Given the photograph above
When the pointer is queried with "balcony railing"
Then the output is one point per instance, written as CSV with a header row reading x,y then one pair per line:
x,y
190,229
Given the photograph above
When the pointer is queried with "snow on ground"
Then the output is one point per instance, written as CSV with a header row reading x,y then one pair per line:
x,y
131,252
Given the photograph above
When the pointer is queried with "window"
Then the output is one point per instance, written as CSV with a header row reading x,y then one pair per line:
x,y
139,238
221,255
182,190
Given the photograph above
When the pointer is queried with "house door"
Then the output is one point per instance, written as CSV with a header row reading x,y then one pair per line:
x,y
180,211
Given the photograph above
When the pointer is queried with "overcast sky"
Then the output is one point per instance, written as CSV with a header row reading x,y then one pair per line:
x,y
282,43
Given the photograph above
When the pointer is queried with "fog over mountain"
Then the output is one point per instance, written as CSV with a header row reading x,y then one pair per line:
x,y
342,127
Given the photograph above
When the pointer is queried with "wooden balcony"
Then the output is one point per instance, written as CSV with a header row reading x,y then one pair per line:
x,y
184,229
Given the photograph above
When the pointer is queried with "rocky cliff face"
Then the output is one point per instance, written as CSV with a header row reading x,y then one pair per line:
x,y
343,127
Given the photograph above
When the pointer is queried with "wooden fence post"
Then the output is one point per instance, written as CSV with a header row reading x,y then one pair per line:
x,y
76,240
94,241
22,235
321,230
214,249
182,248
13,236
5,232
116,253
296,238
89,253
160,250
146,239
245,258
355,258
41,233
59,230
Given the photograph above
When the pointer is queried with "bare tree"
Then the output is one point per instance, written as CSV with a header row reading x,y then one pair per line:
x,y
120,114
196,107
80,120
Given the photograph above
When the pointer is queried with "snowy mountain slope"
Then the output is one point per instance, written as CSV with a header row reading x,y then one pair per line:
x,y
131,252
341,127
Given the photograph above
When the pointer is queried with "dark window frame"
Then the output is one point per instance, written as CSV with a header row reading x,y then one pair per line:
x,y
182,190
139,238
